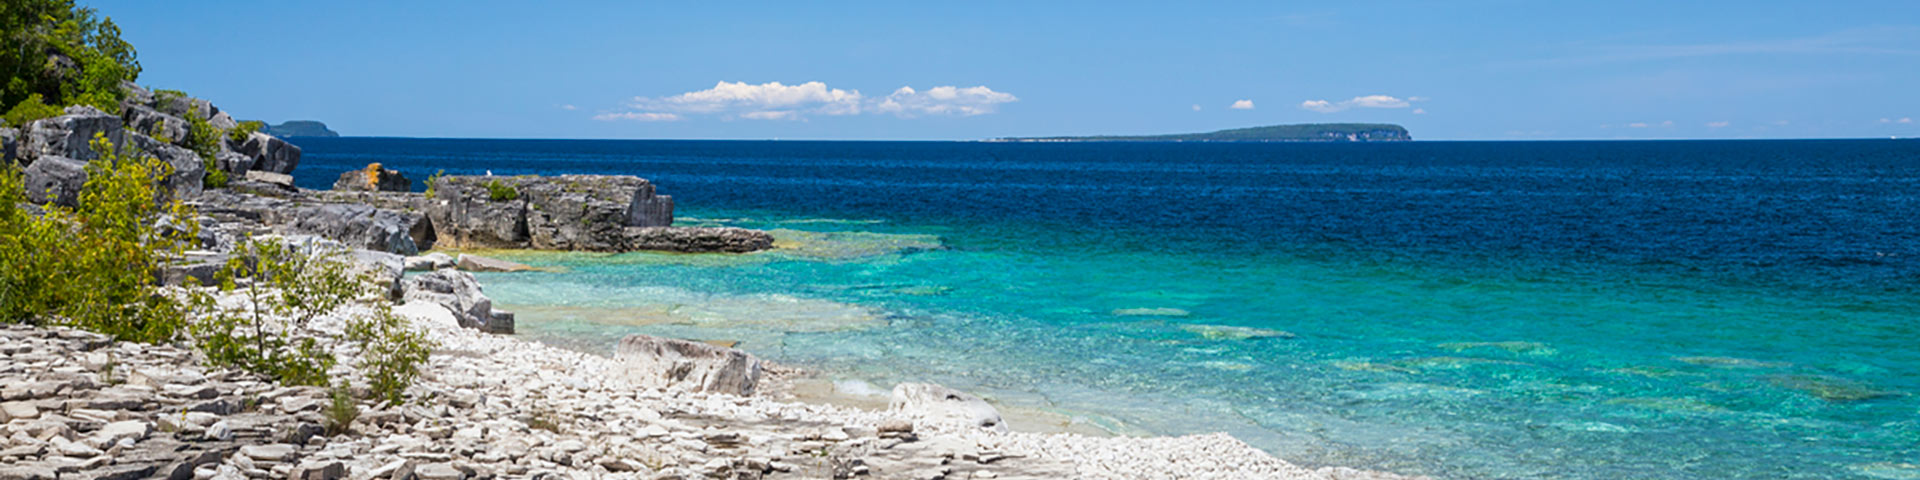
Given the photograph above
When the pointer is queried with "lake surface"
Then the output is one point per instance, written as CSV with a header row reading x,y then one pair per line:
x,y
1705,309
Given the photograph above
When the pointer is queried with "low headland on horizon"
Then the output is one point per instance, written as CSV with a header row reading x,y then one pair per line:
x,y
1303,132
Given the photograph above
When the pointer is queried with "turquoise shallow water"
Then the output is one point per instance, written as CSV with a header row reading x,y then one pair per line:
x,y
1463,372
1560,310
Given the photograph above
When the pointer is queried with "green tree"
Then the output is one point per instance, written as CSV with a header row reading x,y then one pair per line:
x,y
68,54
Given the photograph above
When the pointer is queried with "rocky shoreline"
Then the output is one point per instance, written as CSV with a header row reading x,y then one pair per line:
x,y
78,405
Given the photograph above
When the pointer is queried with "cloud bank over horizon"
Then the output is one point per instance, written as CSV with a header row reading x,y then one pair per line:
x,y
1367,101
777,101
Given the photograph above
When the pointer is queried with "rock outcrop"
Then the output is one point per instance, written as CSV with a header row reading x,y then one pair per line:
x,y
70,135
55,180
269,153
696,239
457,291
373,179
659,362
566,212
356,225
938,405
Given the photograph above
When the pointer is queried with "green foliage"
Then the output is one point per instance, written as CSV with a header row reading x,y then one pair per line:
x,y
501,192
246,128
391,353
216,177
341,411
284,289
202,137
433,182
29,110
92,267
67,54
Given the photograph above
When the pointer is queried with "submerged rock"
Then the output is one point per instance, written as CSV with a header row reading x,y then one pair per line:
x,y
1225,332
1526,348
1151,312
476,263
659,362
930,403
1831,389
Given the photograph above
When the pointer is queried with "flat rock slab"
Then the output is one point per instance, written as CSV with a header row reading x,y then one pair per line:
x,y
476,263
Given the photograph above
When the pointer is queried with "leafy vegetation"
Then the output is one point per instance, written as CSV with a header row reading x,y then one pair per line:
x,y
500,192
29,110
433,181
69,55
244,129
341,411
391,353
92,267
283,289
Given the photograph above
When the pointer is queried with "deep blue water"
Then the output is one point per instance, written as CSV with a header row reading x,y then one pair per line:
x,y
1709,309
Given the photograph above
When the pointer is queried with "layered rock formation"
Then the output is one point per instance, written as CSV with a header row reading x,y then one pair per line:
x,y
601,213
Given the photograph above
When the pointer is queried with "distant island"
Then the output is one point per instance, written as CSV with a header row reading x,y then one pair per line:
x,y
300,128
1305,132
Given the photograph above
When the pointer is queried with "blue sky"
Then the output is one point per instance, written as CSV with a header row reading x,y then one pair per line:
x,y
1446,70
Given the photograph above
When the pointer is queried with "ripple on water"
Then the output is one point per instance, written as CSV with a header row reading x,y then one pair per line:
x,y
1888,470
1150,312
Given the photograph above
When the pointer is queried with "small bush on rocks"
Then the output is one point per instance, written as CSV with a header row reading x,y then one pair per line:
x,y
29,110
391,353
500,192
342,411
92,267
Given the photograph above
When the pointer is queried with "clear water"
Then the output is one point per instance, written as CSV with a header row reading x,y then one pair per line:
x,y
1464,310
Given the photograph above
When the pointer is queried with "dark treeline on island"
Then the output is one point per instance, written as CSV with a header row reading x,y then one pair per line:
x,y
300,128
1305,132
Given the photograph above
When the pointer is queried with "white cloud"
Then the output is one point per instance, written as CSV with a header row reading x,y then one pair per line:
x,y
1367,101
637,116
1419,111
1901,120
1667,123
1637,125
1196,107
1242,105
944,100
769,115
777,101
1906,119
1718,124
1781,122
568,106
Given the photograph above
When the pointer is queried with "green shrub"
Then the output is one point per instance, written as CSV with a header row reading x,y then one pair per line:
x,y
284,290
341,411
216,178
500,192
202,137
391,353
92,267
246,128
29,110
433,181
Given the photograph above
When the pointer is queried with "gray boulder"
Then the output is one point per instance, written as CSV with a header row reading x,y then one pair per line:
x,y
358,226
284,181
373,179
189,171
69,135
657,362
135,94
933,404
235,164
182,106
696,239
454,289
269,153
9,137
383,269
55,180
222,121
146,120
